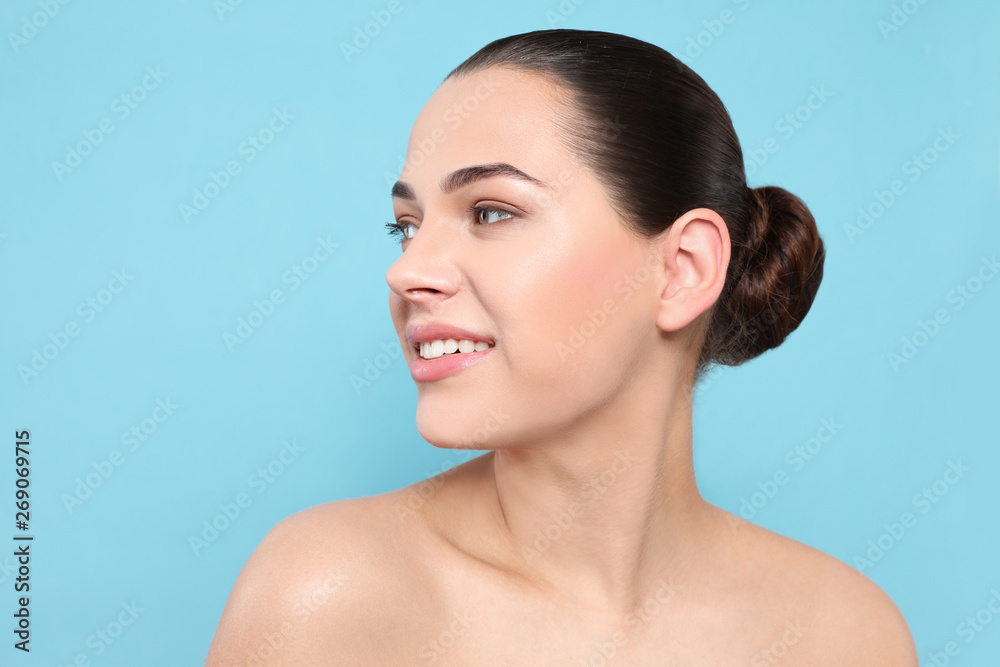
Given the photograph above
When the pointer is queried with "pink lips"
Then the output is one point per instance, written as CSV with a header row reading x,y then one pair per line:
x,y
428,370
428,331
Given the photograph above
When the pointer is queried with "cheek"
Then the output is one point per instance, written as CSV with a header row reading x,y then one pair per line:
x,y
572,316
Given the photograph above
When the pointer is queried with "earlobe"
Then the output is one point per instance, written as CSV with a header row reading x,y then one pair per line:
x,y
695,254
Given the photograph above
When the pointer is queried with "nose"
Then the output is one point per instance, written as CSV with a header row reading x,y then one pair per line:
x,y
425,272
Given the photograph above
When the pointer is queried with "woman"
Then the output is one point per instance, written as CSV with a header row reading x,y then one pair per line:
x,y
579,246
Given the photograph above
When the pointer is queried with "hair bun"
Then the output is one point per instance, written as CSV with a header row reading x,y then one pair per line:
x,y
776,275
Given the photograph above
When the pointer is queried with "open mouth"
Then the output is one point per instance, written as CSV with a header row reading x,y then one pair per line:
x,y
448,346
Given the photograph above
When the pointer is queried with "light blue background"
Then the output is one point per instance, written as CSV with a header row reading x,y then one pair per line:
x,y
327,174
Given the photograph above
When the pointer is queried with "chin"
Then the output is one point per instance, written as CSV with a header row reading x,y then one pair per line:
x,y
461,428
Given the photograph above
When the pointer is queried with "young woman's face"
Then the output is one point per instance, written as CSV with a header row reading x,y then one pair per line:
x,y
549,275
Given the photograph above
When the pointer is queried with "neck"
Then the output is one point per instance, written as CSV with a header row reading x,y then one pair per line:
x,y
603,513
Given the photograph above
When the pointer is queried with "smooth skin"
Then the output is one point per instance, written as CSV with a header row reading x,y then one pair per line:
x,y
581,538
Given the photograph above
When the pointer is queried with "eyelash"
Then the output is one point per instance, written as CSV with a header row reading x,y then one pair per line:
x,y
395,229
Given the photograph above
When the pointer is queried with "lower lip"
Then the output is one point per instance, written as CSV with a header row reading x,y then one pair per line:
x,y
428,370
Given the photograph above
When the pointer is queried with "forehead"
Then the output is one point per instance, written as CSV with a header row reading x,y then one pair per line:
x,y
493,115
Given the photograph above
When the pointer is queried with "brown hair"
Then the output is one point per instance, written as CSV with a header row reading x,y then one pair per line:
x,y
663,144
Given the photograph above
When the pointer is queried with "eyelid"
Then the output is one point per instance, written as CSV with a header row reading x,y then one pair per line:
x,y
506,208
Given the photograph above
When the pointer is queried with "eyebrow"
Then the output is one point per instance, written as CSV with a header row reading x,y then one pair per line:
x,y
466,175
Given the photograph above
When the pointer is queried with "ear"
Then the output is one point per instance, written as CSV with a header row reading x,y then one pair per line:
x,y
694,253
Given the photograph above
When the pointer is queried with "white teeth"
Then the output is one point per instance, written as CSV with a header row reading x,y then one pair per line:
x,y
443,346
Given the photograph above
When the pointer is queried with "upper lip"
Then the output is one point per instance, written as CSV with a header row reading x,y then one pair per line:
x,y
426,332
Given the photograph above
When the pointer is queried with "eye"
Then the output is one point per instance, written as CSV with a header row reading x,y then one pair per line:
x,y
398,229
481,210
405,230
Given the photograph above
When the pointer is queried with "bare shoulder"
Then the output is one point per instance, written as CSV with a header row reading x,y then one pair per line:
x,y
321,587
855,620
835,614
